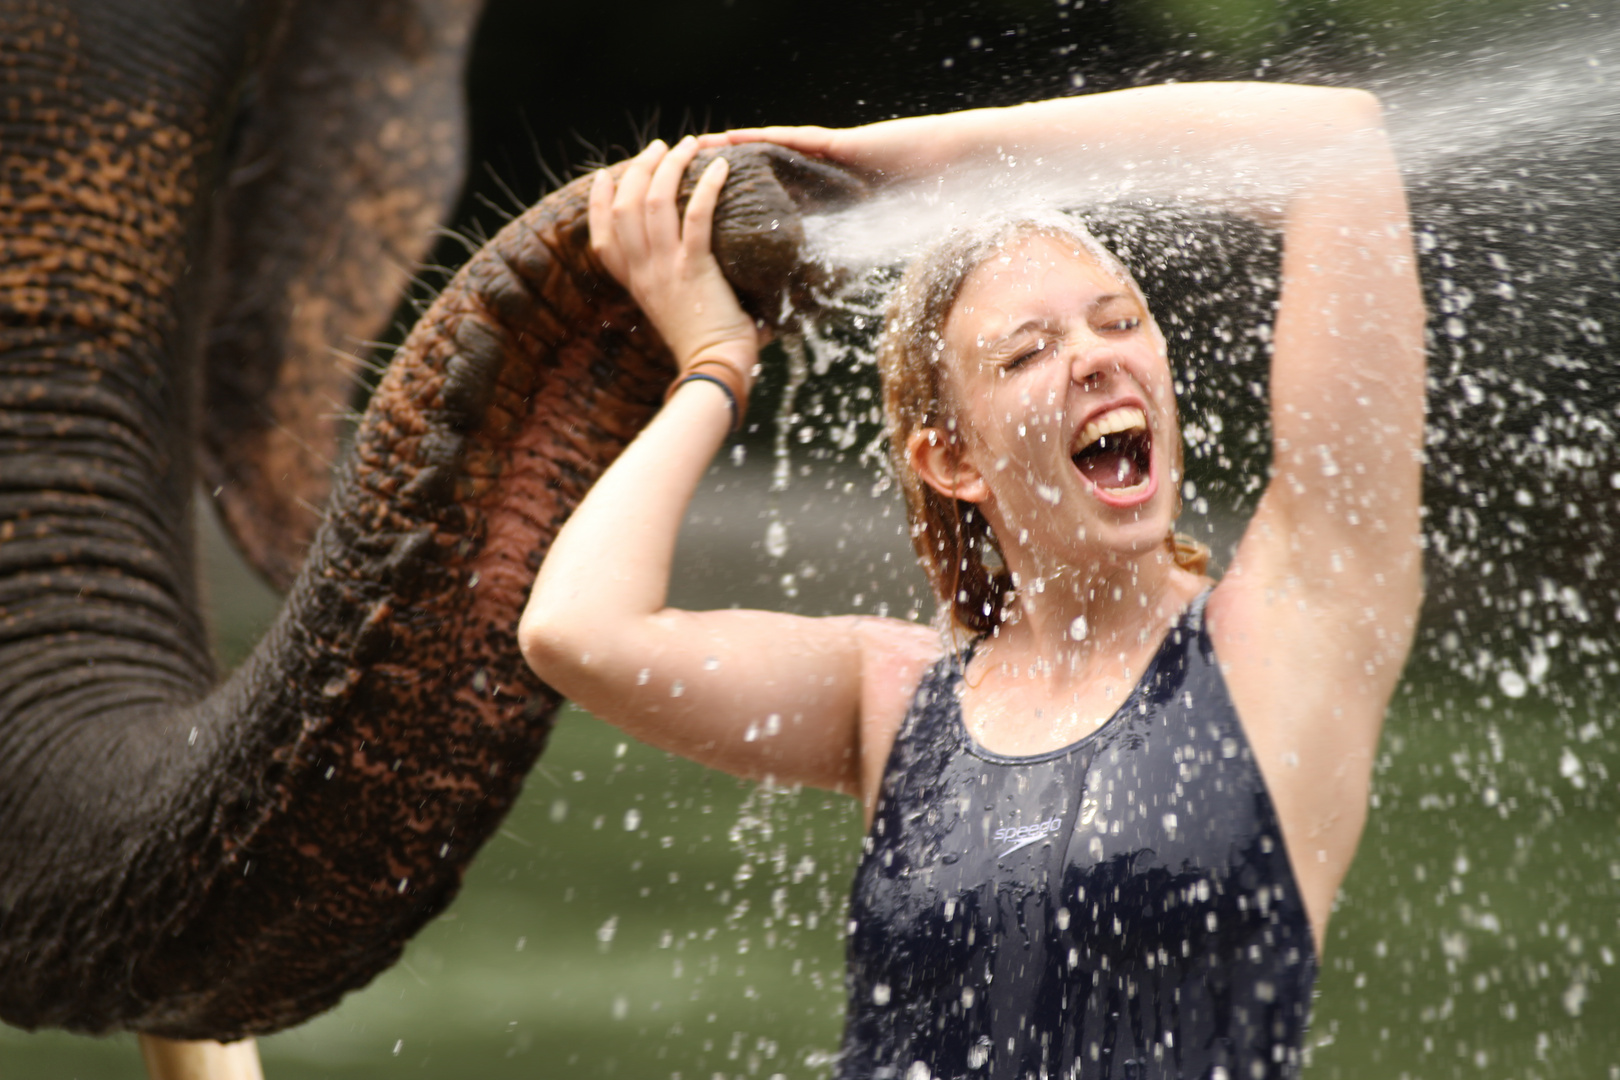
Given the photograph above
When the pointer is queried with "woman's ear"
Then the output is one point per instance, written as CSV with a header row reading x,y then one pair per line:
x,y
942,465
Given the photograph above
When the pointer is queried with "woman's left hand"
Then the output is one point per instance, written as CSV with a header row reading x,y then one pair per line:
x,y
666,261
887,151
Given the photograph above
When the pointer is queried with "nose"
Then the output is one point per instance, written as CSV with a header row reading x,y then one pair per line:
x,y
1093,363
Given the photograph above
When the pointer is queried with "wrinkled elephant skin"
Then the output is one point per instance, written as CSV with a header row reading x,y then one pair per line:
x,y
348,152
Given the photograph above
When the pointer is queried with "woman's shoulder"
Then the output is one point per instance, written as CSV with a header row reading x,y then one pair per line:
x,y
895,654
896,635
896,649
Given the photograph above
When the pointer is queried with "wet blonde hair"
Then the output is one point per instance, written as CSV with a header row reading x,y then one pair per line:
x,y
952,539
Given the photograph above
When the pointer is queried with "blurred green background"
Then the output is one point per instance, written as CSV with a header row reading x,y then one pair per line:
x,y
640,917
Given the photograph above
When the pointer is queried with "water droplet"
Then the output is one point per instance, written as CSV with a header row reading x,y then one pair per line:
x,y
880,994
1512,683
632,820
1078,629
1570,768
979,1053
605,932
776,539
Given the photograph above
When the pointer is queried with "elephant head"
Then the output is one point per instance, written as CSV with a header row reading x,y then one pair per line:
x,y
198,203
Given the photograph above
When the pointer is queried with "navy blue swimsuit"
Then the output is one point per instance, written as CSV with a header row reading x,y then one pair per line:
x,y
1119,908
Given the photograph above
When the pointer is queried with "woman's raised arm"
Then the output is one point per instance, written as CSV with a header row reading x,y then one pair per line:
x,y
1212,138
749,692
1317,613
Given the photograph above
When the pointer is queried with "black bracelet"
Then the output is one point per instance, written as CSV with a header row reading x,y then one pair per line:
x,y
731,398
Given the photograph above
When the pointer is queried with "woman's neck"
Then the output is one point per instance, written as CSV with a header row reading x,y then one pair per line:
x,y
1070,627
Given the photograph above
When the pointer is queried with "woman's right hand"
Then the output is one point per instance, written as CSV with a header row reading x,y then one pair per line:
x,y
666,262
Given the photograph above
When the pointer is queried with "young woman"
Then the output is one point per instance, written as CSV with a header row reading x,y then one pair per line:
x,y
1109,801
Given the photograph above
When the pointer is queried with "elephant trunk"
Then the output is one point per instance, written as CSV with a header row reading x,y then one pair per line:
x,y
279,841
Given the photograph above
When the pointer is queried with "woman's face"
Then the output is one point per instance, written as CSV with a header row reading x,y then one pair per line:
x,y
1064,402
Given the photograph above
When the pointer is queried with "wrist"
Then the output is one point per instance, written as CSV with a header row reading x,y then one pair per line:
x,y
724,372
718,388
740,357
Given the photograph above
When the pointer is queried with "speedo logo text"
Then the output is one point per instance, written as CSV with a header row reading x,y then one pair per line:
x,y
1024,835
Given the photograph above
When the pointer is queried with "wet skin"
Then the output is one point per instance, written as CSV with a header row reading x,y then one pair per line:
x,y
1043,341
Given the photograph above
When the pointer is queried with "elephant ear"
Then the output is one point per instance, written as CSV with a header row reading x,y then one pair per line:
x,y
349,152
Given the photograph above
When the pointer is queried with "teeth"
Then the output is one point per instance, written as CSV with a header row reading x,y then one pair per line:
x,y
1128,418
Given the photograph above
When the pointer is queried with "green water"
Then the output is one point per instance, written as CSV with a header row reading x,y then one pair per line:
x,y
641,917
1427,967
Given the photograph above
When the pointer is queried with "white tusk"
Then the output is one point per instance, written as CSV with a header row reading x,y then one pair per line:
x,y
171,1059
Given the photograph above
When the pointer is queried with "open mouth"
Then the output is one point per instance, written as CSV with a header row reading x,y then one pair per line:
x,y
1116,451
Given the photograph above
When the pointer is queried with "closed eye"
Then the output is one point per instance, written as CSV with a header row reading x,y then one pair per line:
x,y
1025,356
1122,325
